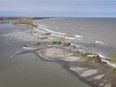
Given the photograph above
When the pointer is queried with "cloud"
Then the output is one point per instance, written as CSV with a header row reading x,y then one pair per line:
x,y
58,8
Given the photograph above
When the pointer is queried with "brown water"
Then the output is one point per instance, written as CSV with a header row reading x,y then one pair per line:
x,y
28,70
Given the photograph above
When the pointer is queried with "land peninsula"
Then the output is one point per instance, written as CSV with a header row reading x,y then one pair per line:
x,y
90,67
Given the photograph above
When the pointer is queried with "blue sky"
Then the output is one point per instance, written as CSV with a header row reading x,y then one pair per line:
x,y
58,8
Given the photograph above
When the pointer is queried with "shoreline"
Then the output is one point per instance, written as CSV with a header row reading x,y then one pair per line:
x,y
67,65
64,64
54,58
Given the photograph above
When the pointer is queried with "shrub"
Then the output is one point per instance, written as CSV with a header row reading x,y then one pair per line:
x,y
113,58
25,21
91,59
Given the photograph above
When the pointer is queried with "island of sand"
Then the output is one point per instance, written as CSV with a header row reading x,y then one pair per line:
x,y
93,68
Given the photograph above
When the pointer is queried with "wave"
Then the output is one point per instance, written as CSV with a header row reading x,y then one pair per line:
x,y
102,56
75,45
78,36
71,38
57,35
42,27
22,52
56,28
39,30
99,42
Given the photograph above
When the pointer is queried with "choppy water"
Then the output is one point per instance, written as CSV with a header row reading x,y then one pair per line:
x,y
96,34
28,70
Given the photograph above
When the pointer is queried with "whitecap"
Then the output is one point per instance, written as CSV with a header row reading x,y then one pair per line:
x,y
42,27
101,55
71,38
39,30
56,28
78,36
53,31
74,45
51,38
99,42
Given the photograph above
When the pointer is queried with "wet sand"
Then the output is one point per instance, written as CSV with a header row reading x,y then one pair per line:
x,y
29,70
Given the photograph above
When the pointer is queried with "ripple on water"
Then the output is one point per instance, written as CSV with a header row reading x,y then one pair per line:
x,y
29,70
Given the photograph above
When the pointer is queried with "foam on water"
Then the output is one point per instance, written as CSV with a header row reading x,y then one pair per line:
x,y
78,36
75,45
71,38
39,30
96,34
99,42
102,55
56,28
51,30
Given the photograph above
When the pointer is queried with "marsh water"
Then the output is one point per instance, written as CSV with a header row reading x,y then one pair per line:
x,y
28,70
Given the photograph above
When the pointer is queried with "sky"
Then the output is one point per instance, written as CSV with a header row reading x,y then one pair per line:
x,y
58,8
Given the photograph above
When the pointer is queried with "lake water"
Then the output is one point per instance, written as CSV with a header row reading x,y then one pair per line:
x,y
96,34
28,70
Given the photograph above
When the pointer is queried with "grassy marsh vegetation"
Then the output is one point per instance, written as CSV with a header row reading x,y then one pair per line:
x,y
113,58
90,60
24,21
85,58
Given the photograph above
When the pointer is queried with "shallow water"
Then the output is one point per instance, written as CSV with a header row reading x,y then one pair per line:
x,y
28,70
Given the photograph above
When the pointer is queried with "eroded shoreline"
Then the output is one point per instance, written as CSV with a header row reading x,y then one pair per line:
x,y
91,70
87,65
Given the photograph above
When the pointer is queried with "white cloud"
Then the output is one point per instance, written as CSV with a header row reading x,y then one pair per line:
x,y
58,7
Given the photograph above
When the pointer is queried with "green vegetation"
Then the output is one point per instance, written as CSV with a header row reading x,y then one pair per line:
x,y
113,58
90,60
86,58
62,39
24,21
54,42
47,33
81,54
